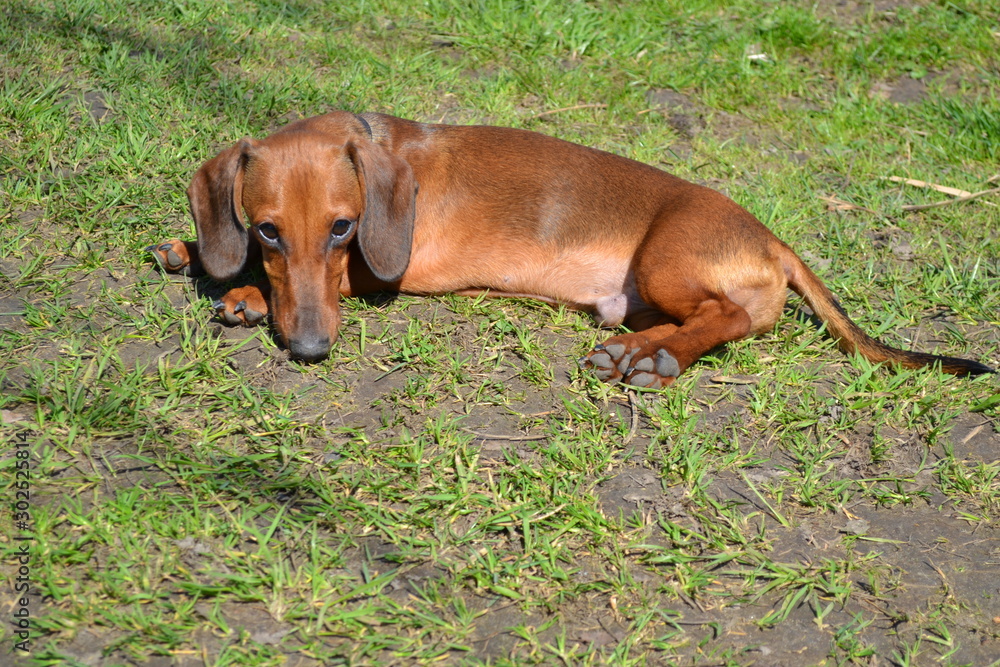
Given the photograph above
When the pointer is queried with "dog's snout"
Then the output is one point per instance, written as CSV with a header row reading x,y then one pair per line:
x,y
309,349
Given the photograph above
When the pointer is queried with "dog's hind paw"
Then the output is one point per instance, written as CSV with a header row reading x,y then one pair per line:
x,y
602,364
632,359
653,372
609,361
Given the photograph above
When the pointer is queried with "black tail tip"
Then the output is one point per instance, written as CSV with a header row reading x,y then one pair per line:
x,y
952,365
967,367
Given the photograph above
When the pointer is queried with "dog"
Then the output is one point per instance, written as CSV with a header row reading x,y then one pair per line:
x,y
348,204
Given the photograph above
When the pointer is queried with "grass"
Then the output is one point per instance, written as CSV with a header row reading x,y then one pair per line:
x,y
448,486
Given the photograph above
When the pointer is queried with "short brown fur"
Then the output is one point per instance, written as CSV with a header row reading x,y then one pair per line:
x,y
346,204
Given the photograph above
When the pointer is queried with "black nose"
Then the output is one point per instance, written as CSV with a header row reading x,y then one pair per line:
x,y
309,349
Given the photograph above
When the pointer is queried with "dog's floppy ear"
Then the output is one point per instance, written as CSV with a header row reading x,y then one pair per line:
x,y
385,231
216,196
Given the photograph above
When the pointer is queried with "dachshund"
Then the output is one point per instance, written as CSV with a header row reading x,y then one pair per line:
x,y
347,204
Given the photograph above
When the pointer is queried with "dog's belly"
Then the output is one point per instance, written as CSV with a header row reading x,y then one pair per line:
x,y
590,280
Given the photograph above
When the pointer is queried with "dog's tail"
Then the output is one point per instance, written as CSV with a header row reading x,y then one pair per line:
x,y
849,336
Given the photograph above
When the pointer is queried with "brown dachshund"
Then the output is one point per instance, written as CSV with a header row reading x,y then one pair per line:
x,y
350,204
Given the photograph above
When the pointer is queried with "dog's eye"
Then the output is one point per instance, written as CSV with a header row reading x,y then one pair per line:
x,y
341,228
268,232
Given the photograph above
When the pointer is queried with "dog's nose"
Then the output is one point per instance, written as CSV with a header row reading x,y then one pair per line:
x,y
309,349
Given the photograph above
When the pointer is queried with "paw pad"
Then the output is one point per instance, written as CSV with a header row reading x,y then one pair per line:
x,y
617,361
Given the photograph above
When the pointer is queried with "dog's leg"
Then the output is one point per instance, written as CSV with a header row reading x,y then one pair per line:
x,y
690,273
245,305
178,256
612,358
241,305
655,357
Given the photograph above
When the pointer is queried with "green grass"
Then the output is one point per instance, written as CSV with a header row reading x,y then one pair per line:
x,y
448,486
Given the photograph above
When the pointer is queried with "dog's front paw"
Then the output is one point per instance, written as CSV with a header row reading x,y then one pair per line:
x,y
242,305
177,256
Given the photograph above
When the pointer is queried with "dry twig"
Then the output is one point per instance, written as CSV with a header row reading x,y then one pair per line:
x,y
635,417
956,200
834,204
955,192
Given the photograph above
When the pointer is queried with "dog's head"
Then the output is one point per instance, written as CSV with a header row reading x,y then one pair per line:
x,y
310,192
